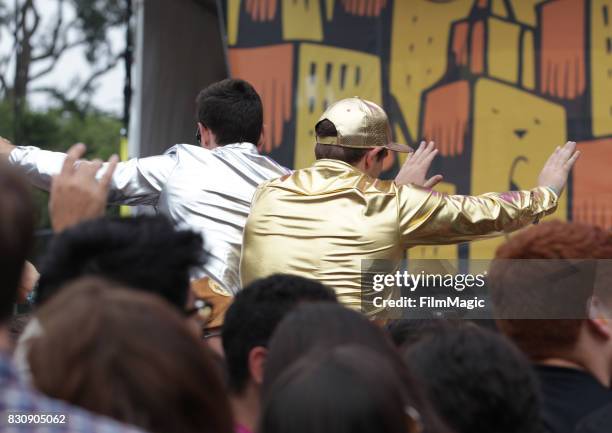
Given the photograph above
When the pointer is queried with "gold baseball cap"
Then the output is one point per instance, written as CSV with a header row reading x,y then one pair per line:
x,y
360,124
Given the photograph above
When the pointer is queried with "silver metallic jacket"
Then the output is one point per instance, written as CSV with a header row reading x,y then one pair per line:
x,y
208,191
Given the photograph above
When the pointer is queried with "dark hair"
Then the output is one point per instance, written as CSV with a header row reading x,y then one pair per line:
x,y
320,327
478,381
348,389
16,235
406,332
144,252
255,313
520,285
350,155
232,110
130,356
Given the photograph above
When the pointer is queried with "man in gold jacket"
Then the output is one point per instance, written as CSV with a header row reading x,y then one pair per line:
x,y
321,222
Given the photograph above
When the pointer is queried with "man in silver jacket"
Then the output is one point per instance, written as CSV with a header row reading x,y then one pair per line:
x,y
206,188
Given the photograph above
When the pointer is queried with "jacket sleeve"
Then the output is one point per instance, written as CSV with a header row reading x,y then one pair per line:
x,y
427,217
137,181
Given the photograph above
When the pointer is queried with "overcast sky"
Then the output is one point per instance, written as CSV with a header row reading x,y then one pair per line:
x,y
109,94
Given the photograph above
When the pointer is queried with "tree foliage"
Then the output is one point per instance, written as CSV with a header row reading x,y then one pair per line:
x,y
94,18
34,46
57,130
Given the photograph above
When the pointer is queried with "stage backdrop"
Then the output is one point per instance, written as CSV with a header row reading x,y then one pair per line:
x,y
496,83
179,51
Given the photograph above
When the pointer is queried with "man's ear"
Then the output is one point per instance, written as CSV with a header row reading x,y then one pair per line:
x,y
257,359
600,317
203,134
261,144
371,157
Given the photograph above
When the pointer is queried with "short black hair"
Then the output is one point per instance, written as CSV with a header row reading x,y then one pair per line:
x,y
350,155
344,389
143,252
256,311
232,110
478,381
16,235
320,327
406,332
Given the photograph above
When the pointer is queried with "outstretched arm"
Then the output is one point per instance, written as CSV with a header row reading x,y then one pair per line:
x,y
76,194
137,181
6,147
428,217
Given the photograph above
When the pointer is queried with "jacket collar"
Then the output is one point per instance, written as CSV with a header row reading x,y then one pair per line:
x,y
337,165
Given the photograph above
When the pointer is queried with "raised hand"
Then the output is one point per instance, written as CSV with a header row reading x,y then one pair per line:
x,y
559,164
6,147
417,165
29,278
76,194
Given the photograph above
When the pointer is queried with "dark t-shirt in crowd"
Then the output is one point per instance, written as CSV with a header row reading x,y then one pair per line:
x,y
597,422
568,396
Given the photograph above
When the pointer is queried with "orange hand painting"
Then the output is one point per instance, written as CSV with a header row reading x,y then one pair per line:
x,y
562,61
261,10
370,8
446,117
270,70
592,187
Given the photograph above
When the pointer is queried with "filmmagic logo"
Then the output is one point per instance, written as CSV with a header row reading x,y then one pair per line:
x,y
447,303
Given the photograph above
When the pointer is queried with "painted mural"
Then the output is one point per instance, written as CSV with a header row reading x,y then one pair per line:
x,y
497,84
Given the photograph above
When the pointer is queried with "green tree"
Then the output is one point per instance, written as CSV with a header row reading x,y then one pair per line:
x,y
35,44
57,129
31,47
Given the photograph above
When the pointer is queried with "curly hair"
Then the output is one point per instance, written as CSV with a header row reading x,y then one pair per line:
x,y
144,252
558,240
516,284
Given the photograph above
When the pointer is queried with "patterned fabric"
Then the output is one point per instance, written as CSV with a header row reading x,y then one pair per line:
x,y
208,191
17,402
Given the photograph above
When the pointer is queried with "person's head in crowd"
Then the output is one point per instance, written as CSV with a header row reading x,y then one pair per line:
x,y
346,389
229,111
357,132
144,252
320,327
570,319
370,160
16,236
17,222
406,332
249,324
128,355
477,381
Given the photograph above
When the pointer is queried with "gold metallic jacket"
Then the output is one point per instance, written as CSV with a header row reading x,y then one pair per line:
x,y
320,222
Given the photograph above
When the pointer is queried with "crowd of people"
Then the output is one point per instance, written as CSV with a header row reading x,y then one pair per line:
x,y
237,308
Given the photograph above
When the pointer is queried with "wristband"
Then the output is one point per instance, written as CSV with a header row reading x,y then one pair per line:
x,y
558,193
